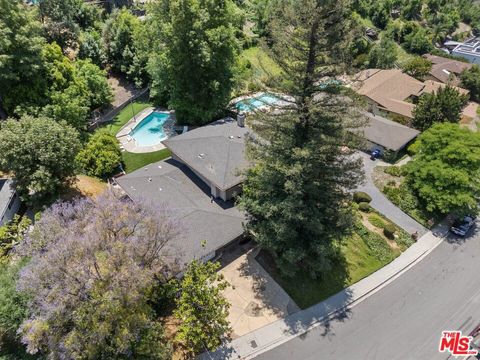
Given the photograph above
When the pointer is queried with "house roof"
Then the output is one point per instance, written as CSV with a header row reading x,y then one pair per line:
x,y
215,151
7,190
202,218
387,133
443,68
392,88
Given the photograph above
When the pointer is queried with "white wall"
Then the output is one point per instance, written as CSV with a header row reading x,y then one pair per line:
x,y
10,210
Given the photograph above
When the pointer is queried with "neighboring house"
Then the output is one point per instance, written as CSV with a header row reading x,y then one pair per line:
x,y
393,93
9,201
387,135
215,153
446,70
469,50
193,185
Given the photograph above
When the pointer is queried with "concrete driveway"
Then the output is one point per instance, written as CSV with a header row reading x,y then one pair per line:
x,y
256,299
382,204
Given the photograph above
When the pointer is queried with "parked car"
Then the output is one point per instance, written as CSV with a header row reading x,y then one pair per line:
x,y
475,344
375,154
461,226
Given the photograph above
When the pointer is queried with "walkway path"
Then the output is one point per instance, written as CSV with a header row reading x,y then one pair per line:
x,y
382,204
335,307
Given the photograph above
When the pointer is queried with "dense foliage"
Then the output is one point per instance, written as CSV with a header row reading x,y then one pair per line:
x,y
195,71
40,153
201,308
471,81
445,169
92,264
100,156
297,191
446,105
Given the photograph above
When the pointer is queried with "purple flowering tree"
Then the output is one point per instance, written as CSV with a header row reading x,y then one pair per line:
x,y
92,265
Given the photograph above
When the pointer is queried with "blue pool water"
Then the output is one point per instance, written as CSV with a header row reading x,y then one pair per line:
x,y
150,131
257,102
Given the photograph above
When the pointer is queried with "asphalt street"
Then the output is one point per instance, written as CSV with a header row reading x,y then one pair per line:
x,y
405,319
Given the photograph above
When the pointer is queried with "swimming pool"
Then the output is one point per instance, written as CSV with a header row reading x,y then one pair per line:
x,y
151,130
257,102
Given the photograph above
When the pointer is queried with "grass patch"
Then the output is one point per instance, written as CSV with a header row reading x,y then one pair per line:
x,y
134,162
361,254
123,116
257,70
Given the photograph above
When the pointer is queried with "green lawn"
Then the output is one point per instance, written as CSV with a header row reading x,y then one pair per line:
x,y
133,161
126,114
363,253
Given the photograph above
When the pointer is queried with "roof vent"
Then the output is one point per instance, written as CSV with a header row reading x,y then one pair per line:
x,y
149,179
201,156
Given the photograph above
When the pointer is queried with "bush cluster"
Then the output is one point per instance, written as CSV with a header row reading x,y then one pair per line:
x,y
361,197
389,231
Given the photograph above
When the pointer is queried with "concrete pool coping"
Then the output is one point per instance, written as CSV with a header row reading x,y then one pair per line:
x,y
127,143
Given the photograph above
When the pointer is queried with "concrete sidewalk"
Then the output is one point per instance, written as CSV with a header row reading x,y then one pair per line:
x,y
274,334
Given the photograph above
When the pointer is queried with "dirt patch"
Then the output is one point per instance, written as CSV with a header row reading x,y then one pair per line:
x,y
392,243
381,178
84,186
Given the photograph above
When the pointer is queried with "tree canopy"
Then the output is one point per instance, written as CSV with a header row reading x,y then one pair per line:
x,y
296,193
93,263
446,105
201,308
40,152
445,169
195,71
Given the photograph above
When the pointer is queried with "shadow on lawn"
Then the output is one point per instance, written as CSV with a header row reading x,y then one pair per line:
x,y
320,298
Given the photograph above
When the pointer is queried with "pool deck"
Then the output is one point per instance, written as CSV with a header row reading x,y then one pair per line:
x,y
127,143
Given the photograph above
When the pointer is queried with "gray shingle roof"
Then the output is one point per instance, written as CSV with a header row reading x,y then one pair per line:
x,y
215,151
387,133
174,185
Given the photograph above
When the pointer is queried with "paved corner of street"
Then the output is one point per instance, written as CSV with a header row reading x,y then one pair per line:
x,y
276,333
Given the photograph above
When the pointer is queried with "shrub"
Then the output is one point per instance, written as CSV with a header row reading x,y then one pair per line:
x,y
365,207
394,171
360,197
101,155
389,231
376,221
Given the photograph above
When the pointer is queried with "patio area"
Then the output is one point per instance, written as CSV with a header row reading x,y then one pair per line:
x,y
256,299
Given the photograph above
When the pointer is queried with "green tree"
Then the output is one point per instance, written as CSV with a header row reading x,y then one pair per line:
x,y
13,309
98,90
59,19
21,65
40,153
101,156
445,105
417,67
201,308
418,42
91,47
383,55
471,80
412,9
12,233
120,34
196,69
296,193
445,169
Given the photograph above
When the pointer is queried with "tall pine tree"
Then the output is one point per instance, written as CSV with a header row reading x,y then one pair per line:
x,y
298,189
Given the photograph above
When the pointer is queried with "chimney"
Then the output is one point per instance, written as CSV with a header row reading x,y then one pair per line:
x,y
241,119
